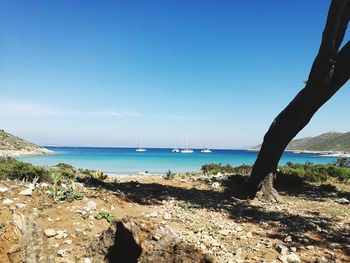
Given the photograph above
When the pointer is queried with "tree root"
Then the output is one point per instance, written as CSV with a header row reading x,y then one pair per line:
x,y
268,192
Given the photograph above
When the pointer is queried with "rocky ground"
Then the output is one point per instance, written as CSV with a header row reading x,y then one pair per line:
x,y
308,225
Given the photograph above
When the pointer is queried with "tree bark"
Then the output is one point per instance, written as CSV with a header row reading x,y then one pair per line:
x,y
329,72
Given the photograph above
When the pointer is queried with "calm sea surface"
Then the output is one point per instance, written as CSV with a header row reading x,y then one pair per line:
x,y
128,161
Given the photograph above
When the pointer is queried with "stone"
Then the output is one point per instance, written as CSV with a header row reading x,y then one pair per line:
x,y
50,232
91,204
62,252
87,260
310,247
153,214
288,239
3,189
68,241
215,185
7,202
293,249
31,186
283,250
26,192
61,234
44,185
343,201
167,216
20,205
291,258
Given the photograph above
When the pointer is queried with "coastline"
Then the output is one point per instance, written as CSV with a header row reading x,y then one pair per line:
x,y
23,152
329,153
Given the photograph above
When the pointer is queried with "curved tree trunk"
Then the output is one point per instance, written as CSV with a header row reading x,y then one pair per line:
x,y
329,72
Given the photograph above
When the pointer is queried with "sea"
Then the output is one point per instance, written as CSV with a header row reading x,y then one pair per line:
x,y
156,160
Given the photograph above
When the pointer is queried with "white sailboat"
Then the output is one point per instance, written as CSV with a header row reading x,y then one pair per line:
x,y
140,149
205,149
175,149
186,149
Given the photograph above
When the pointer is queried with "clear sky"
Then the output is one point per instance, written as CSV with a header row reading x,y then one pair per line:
x,y
107,73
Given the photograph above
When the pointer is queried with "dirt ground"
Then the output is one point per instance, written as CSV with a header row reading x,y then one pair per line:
x,y
309,223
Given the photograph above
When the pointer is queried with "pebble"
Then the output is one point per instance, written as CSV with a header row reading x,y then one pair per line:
x,y
44,185
343,201
288,239
61,252
50,232
3,189
167,216
20,205
61,234
7,202
153,214
68,241
87,260
291,258
293,249
282,249
215,185
310,247
91,205
26,192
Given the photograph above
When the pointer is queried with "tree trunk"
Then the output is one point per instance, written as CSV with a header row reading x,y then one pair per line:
x,y
329,72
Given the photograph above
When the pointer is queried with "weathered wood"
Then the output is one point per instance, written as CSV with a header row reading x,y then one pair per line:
x,y
329,72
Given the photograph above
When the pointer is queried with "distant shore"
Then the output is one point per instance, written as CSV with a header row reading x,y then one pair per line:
x,y
321,153
26,152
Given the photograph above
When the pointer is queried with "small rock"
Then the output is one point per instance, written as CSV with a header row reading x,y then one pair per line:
x,y
44,185
61,252
68,241
61,234
167,216
26,192
50,232
7,202
310,247
153,214
20,205
343,201
215,185
31,186
3,189
92,205
291,258
87,260
288,239
283,250
293,249
249,234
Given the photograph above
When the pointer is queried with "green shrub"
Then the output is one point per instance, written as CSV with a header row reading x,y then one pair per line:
x,y
215,168
105,215
12,169
169,175
94,174
315,172
343,162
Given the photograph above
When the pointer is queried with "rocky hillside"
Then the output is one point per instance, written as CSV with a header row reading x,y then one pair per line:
x,y
13,146
331,141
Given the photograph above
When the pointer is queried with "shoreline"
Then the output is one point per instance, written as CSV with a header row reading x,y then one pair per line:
x,y
24,153
329,153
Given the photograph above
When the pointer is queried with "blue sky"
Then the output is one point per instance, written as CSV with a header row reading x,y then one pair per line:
x,y
106,73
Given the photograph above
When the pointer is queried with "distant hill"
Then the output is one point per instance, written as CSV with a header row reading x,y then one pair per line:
x,y
331,141
14,146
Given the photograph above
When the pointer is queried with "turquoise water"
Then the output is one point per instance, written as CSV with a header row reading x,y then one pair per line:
x,y
128,161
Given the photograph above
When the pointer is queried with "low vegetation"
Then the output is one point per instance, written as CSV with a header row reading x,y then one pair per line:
x,y
169,175
105,215
315,172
